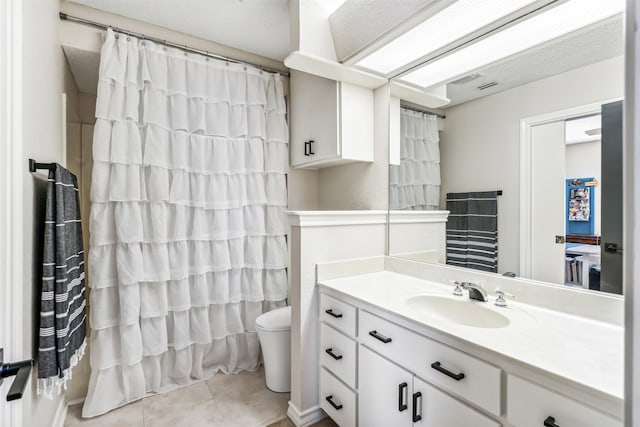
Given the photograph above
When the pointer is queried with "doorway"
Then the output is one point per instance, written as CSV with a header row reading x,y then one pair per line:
x,y
554,202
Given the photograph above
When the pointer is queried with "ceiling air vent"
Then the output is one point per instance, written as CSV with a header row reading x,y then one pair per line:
x,y
487,85
466,79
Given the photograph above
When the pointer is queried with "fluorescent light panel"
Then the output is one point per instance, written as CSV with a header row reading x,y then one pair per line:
x,y
556,22
461,18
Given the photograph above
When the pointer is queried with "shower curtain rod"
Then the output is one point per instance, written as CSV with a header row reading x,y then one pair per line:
x,y
184,48
418,110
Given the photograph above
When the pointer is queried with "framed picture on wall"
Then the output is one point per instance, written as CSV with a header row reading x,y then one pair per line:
x,y
579,204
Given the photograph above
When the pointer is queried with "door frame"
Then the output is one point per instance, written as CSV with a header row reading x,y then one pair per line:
x,y
13,168
526,172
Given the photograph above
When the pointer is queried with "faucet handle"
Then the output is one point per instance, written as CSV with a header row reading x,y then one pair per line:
x,y
458,290
500,301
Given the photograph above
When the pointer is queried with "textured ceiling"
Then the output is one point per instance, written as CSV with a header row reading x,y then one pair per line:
x,y
260,27
584,47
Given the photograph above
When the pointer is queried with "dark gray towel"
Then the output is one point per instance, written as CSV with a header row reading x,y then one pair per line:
x,y
62,309
472,230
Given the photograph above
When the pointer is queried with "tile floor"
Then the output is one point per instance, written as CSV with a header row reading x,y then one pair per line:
x,y
240,400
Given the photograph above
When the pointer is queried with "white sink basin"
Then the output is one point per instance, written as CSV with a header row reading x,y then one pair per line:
x,y
459,310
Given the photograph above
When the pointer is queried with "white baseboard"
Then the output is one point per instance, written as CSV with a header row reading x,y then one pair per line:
x,y
306,418
77,401
61,414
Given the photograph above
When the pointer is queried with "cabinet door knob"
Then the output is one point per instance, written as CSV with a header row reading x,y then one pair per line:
x,y
402,400
438,367
417,417
330,352
550,422
336,406
380,337
331,313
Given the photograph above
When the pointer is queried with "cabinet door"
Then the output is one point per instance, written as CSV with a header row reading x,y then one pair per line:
x,y
530,405
314,111
384,392
433,408
356,123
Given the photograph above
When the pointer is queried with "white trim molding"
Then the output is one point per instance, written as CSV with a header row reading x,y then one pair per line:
x,y
306,418
322,67
631,216
61,413
414,217
526,170
12,168
332,218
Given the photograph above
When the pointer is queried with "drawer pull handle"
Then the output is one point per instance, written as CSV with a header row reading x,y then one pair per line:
x,y
380,337
331,313
417,417
330,352
402,403
438,367
336,406
550,422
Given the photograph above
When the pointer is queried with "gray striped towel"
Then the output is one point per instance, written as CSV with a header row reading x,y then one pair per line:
x,y
62,302
472,230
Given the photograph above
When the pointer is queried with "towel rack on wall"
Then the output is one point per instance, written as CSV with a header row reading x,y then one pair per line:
x,y
21,370
34,166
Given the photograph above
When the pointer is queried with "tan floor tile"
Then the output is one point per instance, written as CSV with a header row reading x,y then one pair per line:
x,y
244,400
188,406
127,416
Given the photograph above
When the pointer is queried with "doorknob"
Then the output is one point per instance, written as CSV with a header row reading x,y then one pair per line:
x,y
21,370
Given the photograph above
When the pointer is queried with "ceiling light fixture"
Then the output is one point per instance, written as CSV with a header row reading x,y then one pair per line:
x,y
461,18
548,25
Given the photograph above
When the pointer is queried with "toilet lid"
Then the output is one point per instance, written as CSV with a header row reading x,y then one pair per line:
x,y
275,320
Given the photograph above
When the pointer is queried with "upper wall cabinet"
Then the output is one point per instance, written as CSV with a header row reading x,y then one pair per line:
x,y
331,122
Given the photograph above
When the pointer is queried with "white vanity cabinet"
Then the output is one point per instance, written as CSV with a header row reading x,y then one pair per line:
x,y
392,396
338,360
371,369
376,372
336,116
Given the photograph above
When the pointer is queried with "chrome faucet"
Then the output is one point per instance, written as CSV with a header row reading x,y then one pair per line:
x,y
476,291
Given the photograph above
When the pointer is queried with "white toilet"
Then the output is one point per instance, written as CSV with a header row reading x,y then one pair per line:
x,y
274,333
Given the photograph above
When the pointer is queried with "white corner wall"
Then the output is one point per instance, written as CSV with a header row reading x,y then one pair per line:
x,y
480,144
361,185
320,236
42,88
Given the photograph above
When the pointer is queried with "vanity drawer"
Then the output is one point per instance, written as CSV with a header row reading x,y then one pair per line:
x,y
338,314
480,382
337,400
338,354
530,405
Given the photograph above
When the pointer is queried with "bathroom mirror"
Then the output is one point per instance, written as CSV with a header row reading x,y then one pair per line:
x,y
528,149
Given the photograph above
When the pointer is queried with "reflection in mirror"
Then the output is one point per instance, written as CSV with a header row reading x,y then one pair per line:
x,y
527,162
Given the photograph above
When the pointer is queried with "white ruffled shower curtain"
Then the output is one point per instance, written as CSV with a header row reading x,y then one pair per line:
x,y
415,183
187,218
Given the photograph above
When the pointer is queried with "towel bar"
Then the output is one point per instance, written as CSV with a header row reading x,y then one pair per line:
x,y
34,166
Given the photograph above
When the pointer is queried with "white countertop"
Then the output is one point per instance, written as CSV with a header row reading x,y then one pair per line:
x,y
584,351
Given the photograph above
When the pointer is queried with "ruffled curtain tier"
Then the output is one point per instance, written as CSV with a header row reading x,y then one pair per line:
x,y
187,225
414,184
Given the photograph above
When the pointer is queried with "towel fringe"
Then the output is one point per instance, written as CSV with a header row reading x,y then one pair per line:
x,y
47,386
